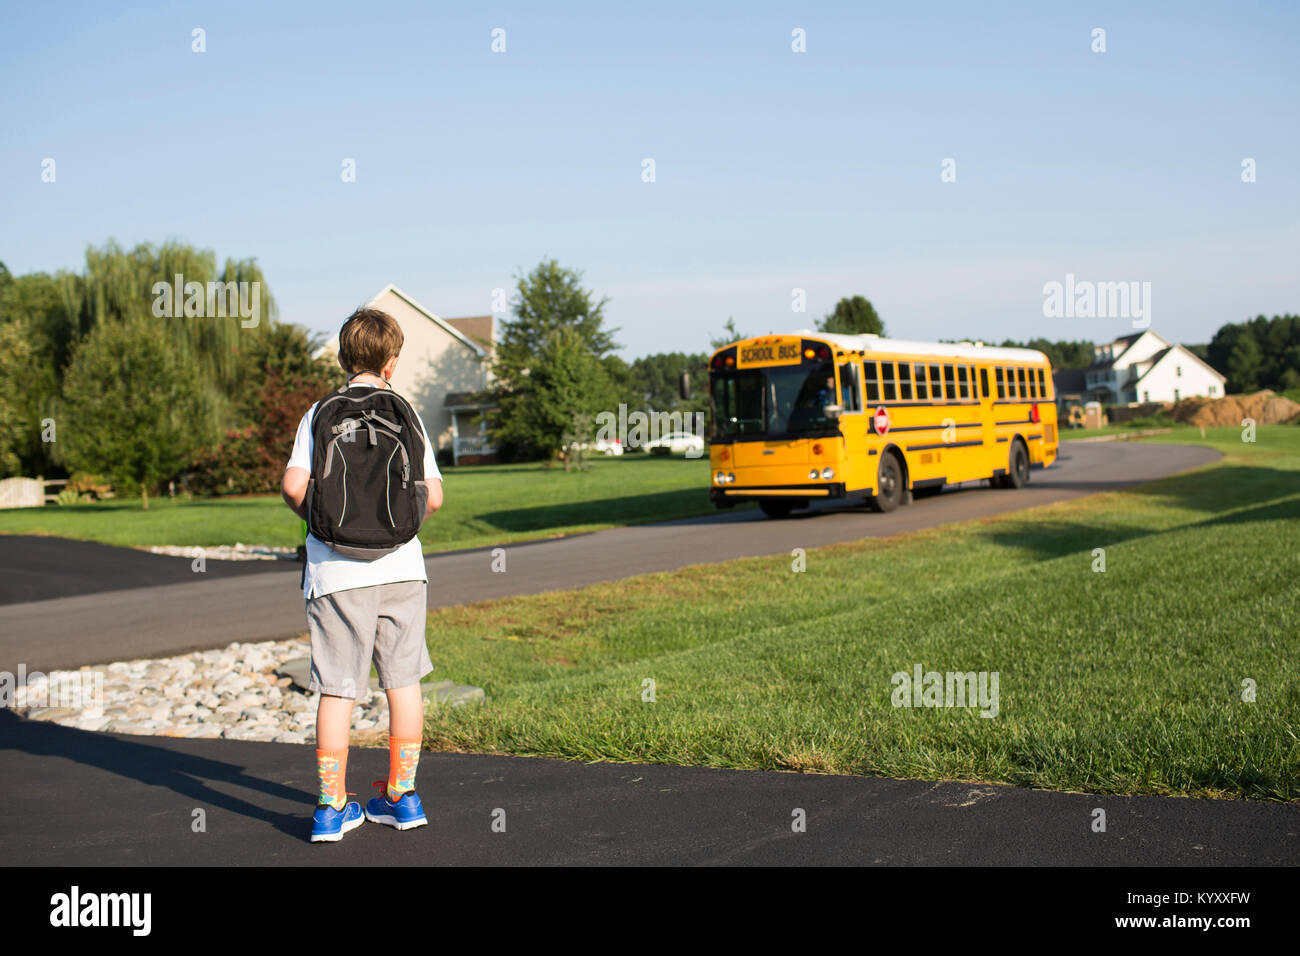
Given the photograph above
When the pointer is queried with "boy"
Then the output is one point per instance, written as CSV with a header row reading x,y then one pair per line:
x,y
358,608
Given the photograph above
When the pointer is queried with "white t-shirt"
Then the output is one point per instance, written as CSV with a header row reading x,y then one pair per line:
x,y
327,570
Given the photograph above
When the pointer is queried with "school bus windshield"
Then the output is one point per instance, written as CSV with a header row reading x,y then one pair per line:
x,y
782,400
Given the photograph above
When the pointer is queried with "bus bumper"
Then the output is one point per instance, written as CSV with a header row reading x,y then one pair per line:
x,y
726,497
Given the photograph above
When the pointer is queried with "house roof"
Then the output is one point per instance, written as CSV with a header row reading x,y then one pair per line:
x,y
477,327
1124,343
1182,351
442,323
468,400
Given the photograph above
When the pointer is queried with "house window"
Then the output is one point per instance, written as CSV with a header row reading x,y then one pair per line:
x,y
1176,395
1212,388
1146,396
1178,371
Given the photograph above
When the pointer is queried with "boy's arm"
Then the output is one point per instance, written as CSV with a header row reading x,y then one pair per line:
x,y
435,496
293,486
293,489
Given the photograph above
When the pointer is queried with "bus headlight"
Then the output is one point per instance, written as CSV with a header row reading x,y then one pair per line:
x,y
731,476
813,474
720,478
828,473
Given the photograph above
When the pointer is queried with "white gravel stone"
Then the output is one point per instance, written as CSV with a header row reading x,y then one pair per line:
x,y
233,693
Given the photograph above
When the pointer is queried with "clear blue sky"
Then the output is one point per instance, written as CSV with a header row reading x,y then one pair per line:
x,y
775,170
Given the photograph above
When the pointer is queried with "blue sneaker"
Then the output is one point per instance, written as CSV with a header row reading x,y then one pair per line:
x,y
328,825
405,813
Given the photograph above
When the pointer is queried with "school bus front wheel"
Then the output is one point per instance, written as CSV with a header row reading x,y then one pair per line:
x,y
889,485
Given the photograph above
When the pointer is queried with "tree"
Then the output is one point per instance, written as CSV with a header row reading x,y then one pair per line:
x,y
555,343
1261,353
133,409
654,382
853,316
1245,363
729,334
567,384
15,408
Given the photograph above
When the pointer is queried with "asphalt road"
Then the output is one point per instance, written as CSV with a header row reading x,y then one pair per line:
x,y
167,615
125,800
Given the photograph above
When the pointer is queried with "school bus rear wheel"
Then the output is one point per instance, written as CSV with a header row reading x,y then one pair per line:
x,y
1017,466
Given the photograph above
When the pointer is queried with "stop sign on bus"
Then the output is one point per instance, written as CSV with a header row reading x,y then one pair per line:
x,y
881,420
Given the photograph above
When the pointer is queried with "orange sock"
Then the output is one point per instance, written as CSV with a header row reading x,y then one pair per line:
x,y
403,756
331,768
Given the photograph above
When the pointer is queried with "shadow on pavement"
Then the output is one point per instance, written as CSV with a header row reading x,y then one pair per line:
x,y
139,758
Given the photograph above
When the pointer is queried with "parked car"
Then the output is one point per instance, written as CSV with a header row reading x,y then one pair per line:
x,y
676,443
611,447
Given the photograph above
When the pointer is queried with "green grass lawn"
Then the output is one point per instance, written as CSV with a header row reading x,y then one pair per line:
x,y
1124,681
483,505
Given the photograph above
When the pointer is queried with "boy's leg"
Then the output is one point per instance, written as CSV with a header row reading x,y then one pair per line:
x,y
405,733
342,627
402,659
333,722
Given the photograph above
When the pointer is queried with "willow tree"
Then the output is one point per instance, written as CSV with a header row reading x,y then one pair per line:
x,y
120,285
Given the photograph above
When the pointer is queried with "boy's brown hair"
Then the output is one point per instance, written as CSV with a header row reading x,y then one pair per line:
x,y
368,339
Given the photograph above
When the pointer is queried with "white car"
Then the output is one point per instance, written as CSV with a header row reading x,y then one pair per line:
x,y
611,447
677,443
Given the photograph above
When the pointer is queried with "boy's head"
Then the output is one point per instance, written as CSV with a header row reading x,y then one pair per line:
x,y
369,341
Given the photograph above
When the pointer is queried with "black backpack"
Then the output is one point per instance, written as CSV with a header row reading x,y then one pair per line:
x,y
366,496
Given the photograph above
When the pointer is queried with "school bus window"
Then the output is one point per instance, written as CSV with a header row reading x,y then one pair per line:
x,y
873,385
1021,375
887,391
1042,384
905,381
963,383
922,393
849,388
936,384
949,383
1002,383
1033,385
984,382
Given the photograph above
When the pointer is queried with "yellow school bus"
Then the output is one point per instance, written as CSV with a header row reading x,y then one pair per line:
x,y
819,415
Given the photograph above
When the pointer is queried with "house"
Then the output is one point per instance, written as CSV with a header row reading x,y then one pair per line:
x,y
1144,368
443,371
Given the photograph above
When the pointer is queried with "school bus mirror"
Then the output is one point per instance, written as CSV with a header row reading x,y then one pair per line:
x,y
832,411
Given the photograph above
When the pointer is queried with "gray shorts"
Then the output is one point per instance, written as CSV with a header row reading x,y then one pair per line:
x,y
348,628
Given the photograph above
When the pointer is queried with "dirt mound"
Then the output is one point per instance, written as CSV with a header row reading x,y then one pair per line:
x,y
1265,407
